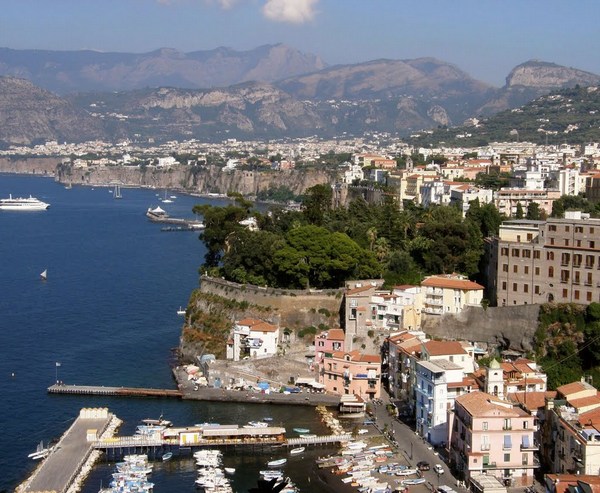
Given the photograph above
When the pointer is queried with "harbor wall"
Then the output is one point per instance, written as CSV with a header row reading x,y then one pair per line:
x,y
295,308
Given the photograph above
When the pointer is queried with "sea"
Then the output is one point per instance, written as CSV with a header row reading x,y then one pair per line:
x,y
106,315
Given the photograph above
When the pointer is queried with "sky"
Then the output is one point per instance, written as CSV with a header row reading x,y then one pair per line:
x,y
485,38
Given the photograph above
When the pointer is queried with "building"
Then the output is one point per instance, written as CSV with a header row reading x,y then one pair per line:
x,y
347,373
571,433
328,342
543,261
252,338
492,436
507,200
450,293
357,299
403,351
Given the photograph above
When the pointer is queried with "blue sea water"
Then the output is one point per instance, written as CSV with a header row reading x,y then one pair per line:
x,y
107,314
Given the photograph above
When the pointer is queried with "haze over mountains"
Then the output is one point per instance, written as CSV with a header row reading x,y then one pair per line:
x,y
271,91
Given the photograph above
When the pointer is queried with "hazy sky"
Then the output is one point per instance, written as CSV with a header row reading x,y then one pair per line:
x,y
485,38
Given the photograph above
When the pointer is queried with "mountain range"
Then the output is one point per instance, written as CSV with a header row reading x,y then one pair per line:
x,y
271,91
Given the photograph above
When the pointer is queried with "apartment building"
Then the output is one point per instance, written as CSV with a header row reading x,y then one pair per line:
x,y
253,338
328,342
507,200
449,293
571,433
404,350
542,261
492,436
351,373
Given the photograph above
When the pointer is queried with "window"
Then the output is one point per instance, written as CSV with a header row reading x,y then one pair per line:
x,y
485,442
578,229
507,424
524,459
564,276
515,252
537,271
576,295
526,253
566,242
506,457
564,259
536,254
552,227
507,443
504,251
484,426
565,293
576,277
588,279
591,231
549,255
550,271
526,288
552,241
577,258
515,268
588,297
529,237
504,285
592,244
504,267
567,229
526,269
525,425
589,261
536,289
514,286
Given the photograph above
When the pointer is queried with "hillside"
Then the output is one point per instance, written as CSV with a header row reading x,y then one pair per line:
x,y
80,71
568,114
30,115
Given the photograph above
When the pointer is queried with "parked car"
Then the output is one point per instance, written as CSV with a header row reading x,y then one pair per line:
x,y
438,469
423,466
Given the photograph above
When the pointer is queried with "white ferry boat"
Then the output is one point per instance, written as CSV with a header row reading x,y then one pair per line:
x,y
22,204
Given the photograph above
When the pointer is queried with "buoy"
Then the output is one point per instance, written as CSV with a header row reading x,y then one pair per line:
x,y
12,374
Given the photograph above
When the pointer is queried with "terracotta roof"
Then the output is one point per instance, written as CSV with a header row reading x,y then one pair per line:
x,y
590,418
335,335
410,346
442,348
357,356
563,482
571,388
585,402
465,382
362,289
446,282
264,327
531,400
480,404
370,358
402,337
404,287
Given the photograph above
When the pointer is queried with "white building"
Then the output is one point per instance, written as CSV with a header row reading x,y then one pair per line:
x,y
450,293
252,338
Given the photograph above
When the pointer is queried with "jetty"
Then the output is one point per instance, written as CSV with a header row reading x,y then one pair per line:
x,y
61,388
66,461
158,215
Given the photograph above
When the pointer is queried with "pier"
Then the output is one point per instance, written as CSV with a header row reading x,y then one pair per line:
x,y
60,469
118,391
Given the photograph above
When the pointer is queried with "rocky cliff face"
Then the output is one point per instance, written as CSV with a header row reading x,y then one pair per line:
x,y
30,115
533,79
203,180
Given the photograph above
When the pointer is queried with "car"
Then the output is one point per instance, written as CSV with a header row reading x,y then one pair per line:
x,y
438,469
423,466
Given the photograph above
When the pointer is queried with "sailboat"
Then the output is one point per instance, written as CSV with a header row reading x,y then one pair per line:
x,y
117,192
166,200
44,275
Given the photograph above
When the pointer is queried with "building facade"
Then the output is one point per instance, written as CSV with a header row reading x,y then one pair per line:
x,y
347,373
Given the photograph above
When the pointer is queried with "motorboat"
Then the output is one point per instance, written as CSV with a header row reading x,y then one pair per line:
x,y
41,452
181,311
167,456
22,204
297,451
229,470
157,422
276,463
301,430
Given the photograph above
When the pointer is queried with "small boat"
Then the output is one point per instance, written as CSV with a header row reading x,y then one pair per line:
x,y
268,419
229,470
301,430
40,452
44,275
276,463
167,456
297,451
117,192
157,422
308,436
181,311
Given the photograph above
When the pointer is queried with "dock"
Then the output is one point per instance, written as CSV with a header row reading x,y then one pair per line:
x,y
60,469
113,391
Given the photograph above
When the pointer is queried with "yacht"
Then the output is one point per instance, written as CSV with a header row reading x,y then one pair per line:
x,y
22,204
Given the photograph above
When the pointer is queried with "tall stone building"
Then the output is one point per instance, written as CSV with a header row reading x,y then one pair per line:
x,y
542,261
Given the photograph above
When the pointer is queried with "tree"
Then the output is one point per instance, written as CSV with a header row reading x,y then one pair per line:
x,y
519,214
534,212
317,201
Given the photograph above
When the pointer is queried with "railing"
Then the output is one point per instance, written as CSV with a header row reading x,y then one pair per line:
x,y
489,465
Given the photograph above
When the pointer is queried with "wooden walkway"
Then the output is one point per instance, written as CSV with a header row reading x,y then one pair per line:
x,y
119,391
322,439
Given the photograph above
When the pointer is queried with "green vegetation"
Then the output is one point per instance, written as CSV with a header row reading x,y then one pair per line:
x,y
571,114
322,246
276,194
567,342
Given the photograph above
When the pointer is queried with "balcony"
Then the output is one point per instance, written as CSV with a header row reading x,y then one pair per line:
x,y
489,465
529,447
485,446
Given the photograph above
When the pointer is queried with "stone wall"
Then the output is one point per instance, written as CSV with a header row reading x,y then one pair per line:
x,y
510,327
294,308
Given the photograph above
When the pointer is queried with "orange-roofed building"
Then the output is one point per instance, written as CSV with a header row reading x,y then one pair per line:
x,y
351,373
571,431
328,342
450,293
252,338
492,436
572,483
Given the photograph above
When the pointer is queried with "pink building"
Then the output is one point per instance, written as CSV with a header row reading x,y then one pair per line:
x,y
328,342
492,436
347,373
